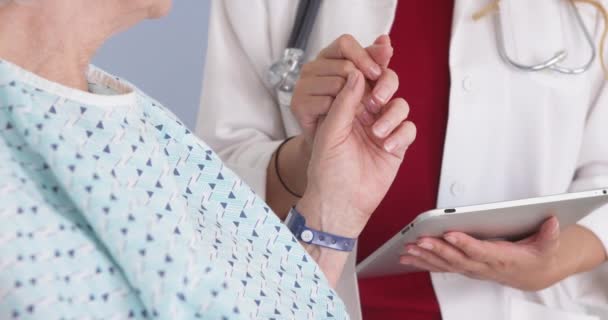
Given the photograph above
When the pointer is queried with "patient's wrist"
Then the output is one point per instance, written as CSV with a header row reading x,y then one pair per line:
x,y
335,217
319,217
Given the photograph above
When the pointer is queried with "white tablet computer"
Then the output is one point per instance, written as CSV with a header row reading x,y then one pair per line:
x,y
511,220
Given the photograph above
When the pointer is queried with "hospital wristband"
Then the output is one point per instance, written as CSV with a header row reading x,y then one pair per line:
x,y
296,223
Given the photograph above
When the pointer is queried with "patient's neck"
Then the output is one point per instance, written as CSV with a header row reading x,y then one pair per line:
x,y
56,39
40,43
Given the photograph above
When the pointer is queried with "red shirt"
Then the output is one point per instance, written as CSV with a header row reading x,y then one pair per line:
x,y
421,37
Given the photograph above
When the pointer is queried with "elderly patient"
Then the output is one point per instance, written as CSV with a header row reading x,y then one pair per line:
x,y
110,208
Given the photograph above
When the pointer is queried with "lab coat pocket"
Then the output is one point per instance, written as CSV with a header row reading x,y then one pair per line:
x,y
535,31
520,309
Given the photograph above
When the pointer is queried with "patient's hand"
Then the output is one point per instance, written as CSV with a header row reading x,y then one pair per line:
x,y
358,135
352,166
354,162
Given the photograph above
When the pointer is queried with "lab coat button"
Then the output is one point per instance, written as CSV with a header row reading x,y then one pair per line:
x,y
457,189
467,84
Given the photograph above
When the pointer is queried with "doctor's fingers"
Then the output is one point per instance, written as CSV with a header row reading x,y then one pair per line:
x,y
499,255
420,264
309,109
328,67
314,96
347,47
456,258
381,51
314,74
321,86
546,240
414,254
323,66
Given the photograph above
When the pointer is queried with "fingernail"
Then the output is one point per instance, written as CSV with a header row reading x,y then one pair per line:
x,y
426,245
450,238
375,71
382,93
381,129
390,146
371,105
555,227
414,252
352,80
366,118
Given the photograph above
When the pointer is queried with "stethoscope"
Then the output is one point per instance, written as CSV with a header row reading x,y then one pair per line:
x,y
553,63
283,74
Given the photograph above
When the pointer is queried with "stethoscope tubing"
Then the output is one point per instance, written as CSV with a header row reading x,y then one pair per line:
x,y
552,63
306,15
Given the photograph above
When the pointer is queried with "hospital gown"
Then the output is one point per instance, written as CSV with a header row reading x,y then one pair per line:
x,y
111,209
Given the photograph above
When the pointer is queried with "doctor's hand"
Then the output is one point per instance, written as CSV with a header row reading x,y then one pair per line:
x,y
322,79
532,264
529,264
351,168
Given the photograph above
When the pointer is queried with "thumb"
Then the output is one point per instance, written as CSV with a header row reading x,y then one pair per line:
x,y
547,237
344,108
383,39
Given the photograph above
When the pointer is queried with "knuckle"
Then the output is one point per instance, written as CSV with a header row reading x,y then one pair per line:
x,y
466,247
439,250
345,40
460,264
503,264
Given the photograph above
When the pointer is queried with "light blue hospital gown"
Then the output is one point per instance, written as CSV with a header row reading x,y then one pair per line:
x,y
111,209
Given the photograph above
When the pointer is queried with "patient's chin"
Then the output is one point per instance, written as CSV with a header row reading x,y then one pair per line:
x,y
160,9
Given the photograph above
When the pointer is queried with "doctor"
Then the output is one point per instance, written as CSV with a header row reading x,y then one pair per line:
x,y
487,131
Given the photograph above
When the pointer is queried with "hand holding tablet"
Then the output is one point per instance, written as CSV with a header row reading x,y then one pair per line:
x,y
528,264
464,240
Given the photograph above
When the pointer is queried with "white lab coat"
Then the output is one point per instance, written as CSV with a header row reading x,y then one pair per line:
x,y
510,134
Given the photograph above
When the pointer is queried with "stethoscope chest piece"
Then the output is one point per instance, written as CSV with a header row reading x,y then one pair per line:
x,y
283,74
